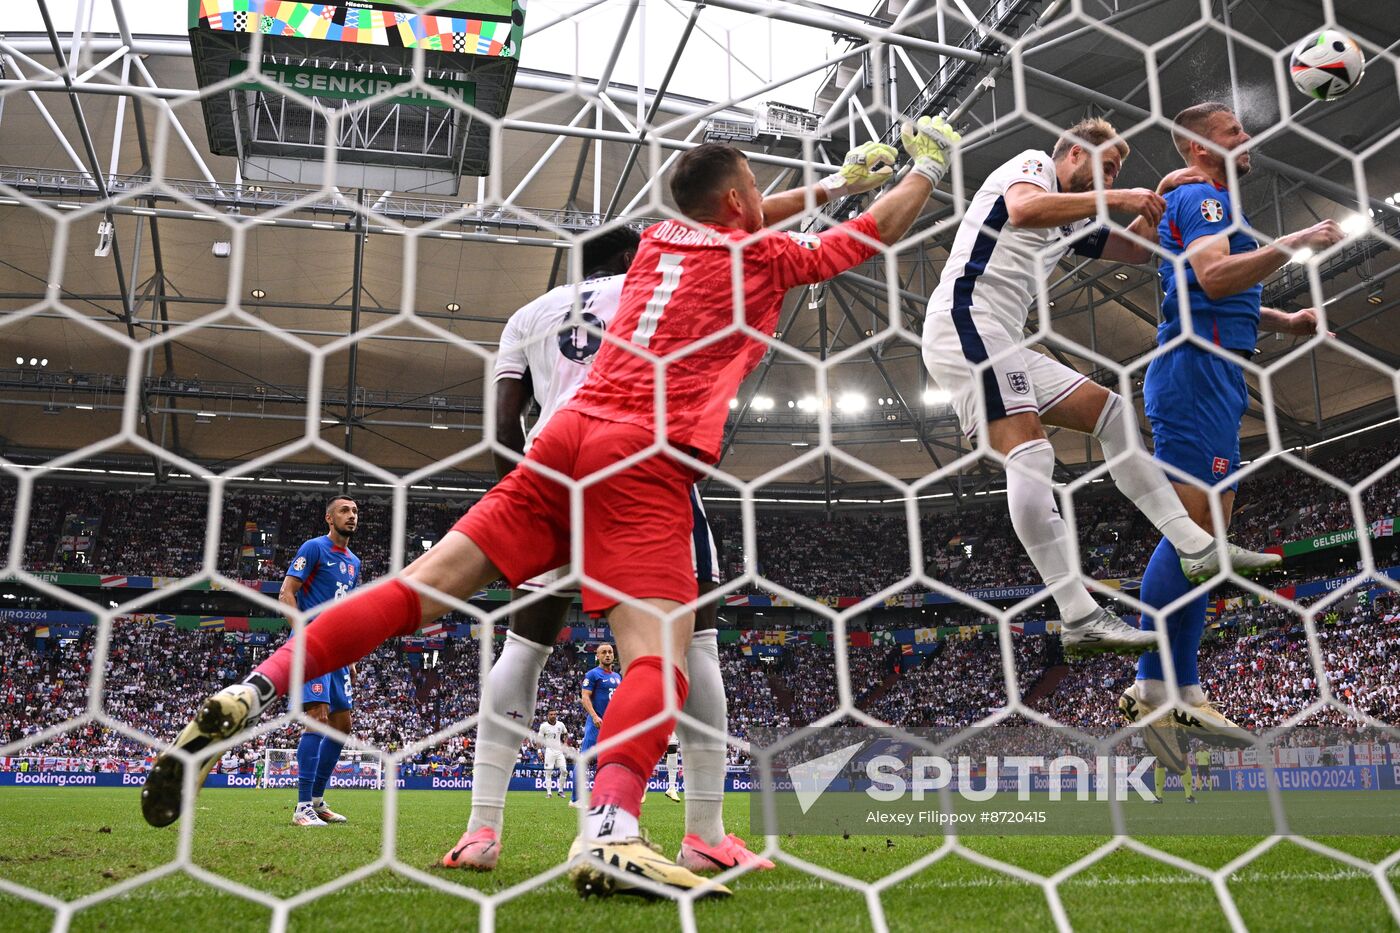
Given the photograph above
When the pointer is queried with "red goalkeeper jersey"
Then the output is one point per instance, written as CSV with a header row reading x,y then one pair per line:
x,y
679,292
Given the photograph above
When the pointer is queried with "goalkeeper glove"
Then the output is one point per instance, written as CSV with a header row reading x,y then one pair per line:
x,y
866,168
928,142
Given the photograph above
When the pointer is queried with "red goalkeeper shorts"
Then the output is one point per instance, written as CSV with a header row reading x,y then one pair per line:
x,y
636,523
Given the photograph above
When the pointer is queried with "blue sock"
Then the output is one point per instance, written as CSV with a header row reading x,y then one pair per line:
x,y
1188,625
1163,583
325,765
308,750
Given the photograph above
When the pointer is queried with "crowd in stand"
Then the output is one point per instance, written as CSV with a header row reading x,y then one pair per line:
x,y
1257,668
160,531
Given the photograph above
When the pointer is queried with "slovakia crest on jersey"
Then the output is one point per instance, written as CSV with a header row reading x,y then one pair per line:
x,y
318,688
1212,210
805,240
1220,466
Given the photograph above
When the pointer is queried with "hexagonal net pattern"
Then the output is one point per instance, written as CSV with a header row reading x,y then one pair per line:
x,y
1015,288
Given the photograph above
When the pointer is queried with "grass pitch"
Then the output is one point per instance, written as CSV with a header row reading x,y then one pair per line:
x,y
70,843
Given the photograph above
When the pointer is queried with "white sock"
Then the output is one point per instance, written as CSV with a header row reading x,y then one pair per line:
x,y
671,761
1139,478
1152,692
704,754
1193,694
513,686
318,802
1030,470
610,822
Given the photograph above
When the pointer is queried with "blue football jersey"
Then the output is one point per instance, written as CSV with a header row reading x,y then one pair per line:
x,y
1195,211
326,572
602,683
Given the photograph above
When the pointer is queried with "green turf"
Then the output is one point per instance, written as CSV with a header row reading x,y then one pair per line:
x,y
73,842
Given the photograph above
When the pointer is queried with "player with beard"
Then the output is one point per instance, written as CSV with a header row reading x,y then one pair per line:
x,y
323,570
1026,216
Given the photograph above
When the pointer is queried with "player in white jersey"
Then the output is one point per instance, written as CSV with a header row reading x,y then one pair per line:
x,y
545,354
1027,215
553,736
672,768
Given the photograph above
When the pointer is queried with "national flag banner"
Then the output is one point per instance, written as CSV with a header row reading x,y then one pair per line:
x,y
432,629
906,649
41,631
747,636
211,623
747,650
112,582
1383,528
236,624
860,639
883,637
1018,628
774,638
925,636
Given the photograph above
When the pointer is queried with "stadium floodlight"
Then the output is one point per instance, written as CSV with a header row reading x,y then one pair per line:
x,y
1301,256
1354,224
851,402
937,397
808,403
733,404
19,361
762,403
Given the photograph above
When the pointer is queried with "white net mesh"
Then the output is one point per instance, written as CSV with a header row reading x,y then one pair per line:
x,y
292,378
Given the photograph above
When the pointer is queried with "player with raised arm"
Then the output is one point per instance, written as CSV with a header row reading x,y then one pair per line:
x,y
555,734
323,570
1195,398
1027,215
679,296
544,358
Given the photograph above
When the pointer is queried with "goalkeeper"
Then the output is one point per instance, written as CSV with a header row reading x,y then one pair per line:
x,y
678,304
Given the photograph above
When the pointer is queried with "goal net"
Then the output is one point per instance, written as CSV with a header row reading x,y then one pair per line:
x,y
266,254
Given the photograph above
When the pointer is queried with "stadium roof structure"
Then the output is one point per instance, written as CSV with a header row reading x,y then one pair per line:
x,y
570,158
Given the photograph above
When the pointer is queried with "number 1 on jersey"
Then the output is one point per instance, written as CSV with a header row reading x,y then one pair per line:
x,y
669,265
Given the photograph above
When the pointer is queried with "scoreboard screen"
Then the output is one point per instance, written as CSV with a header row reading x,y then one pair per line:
x,y
475,27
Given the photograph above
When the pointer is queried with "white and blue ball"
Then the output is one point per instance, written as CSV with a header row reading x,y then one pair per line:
x,y
1327,64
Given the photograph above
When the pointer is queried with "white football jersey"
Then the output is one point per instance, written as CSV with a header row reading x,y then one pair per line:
x,y
995,268
557,357
555,731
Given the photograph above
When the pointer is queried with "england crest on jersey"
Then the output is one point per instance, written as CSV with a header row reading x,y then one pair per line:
x,y
1020,383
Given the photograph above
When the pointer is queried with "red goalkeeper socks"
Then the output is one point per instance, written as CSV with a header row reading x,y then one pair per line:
x,y
623,770
348,631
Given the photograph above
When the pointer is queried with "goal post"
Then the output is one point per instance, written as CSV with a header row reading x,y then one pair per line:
x,y
358,768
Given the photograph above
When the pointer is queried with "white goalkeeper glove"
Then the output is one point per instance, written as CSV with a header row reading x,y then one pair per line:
x,y
928,141
866,168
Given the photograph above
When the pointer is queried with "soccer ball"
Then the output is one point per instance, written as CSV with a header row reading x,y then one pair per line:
x,y
1327,64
